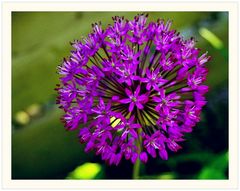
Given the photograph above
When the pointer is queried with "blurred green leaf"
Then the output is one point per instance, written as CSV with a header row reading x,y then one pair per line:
x,y
86,171
211,38
44,149
163,176
211,173
166,176
216,169
215,41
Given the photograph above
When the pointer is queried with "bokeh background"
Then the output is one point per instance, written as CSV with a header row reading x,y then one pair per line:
x,y
43,149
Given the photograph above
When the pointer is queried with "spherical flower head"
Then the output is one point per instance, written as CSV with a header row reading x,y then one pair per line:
x,y
132,90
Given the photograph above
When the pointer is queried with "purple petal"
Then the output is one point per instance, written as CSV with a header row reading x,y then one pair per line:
x,y
148,73
164,126
163,154
157,99
142,98
89,146
115,98
182,73
134,157
143,157
202,89
108,106
129,83
96,110
139,105
127,100
109,135
145,80
162,93
133,133
201,103
148,86
112,159
85,118
101,102
83,131
131,119
173,146
128,92
157,71
118,159
185,89
137,91
155,87
124,135
131,106
152,151
135,126
135,77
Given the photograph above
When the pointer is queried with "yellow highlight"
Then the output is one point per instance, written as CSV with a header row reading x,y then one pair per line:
x,y
22,118
211,38
166,176
115,123
85,171
112,119
34,109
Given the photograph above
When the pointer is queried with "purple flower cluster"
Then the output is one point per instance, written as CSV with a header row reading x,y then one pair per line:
x,y
135,89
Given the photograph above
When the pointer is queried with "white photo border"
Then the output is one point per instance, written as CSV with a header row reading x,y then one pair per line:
x,y
230,7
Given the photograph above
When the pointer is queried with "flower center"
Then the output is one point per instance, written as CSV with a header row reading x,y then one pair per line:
x,y
134,99
154,78
164,101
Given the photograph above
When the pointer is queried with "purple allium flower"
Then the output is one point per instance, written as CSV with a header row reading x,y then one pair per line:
x,y
133,90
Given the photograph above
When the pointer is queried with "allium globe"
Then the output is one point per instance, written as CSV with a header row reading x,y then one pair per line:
x,y
132,90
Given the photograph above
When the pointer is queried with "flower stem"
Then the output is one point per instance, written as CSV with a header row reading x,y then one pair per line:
x,y
136,169
136,166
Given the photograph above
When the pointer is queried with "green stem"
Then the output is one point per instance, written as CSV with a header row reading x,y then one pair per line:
x,y
136,166
136,169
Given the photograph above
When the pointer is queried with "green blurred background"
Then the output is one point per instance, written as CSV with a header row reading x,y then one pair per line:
x,y
43,149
